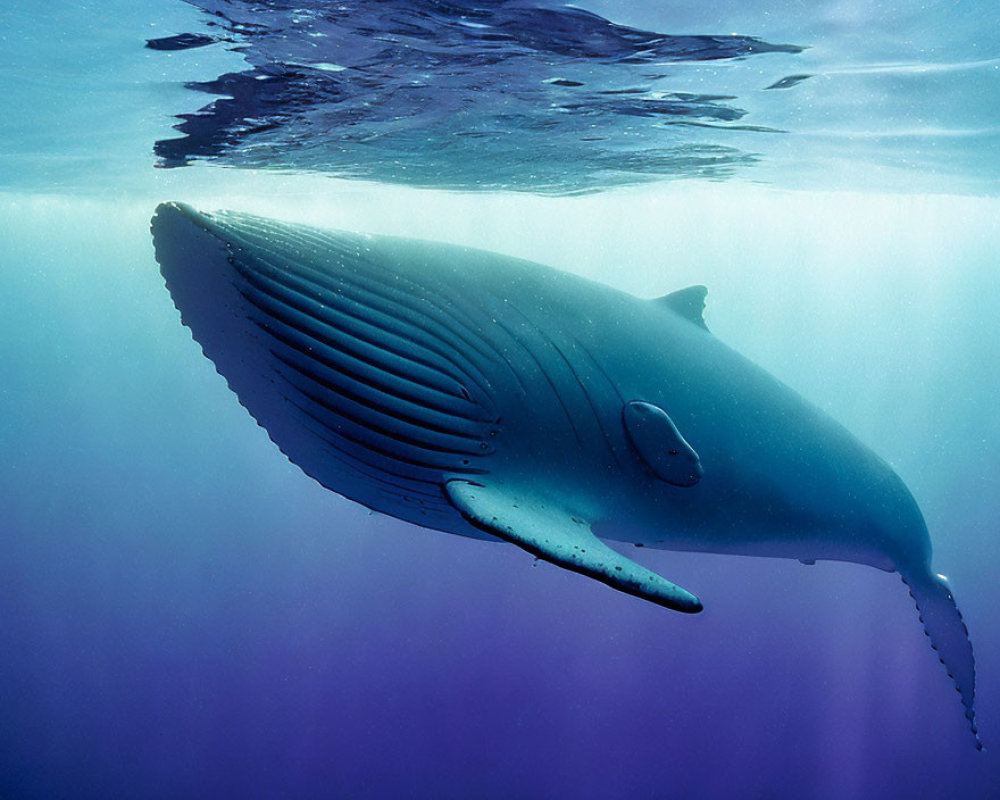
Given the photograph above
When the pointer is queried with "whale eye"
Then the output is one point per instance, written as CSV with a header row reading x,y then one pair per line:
x,y
673,452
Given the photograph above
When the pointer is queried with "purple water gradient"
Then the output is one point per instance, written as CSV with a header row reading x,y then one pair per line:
x,y
183,614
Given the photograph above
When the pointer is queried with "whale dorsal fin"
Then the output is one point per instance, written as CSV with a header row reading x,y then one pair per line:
x,y
549,532
688,303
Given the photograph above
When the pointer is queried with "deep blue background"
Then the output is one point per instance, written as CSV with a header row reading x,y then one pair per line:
x,y
184,614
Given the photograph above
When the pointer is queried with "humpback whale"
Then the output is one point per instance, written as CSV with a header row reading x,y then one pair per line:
x,y
488,396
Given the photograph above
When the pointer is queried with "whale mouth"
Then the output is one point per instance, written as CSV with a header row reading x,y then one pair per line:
x,y
352,368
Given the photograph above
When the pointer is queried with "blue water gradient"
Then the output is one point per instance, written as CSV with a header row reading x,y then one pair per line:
x,y
186,615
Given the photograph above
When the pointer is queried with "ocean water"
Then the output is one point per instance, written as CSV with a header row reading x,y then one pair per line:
x,y
184,614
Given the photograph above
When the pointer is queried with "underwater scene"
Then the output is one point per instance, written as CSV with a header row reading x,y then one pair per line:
x,y
500,399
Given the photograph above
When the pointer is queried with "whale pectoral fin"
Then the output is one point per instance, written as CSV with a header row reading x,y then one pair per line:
x,y
550,533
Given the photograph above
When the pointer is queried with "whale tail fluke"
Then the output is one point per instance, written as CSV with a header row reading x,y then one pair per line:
x,y
949,636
